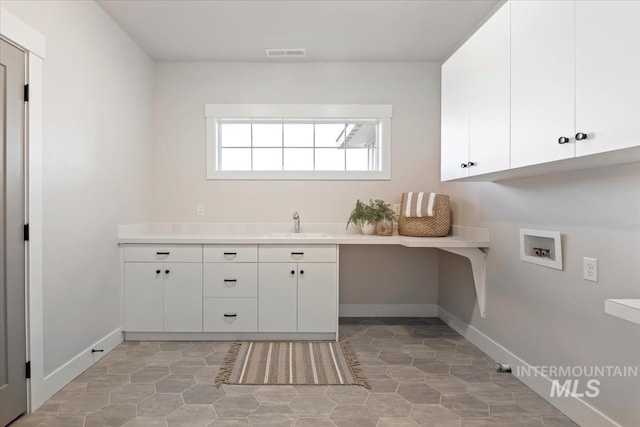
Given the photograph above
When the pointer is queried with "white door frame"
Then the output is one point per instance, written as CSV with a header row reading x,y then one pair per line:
x,y
32,42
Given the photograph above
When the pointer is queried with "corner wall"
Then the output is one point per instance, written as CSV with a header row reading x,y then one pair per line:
x,y
97,138
546,316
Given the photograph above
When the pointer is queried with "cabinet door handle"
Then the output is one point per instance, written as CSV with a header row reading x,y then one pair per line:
x,y
301,271
581,136
293,272
163,253
167,271
230,253
563,140
158,271
471,164
297,253
464,165
230,315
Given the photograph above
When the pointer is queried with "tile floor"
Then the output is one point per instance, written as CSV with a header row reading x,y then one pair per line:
x,y
420,370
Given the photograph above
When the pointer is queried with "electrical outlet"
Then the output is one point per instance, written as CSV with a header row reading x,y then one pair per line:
x,y
590,269
199,210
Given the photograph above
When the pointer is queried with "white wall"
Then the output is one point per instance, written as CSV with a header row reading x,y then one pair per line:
x,y
182,90
97,133
550,317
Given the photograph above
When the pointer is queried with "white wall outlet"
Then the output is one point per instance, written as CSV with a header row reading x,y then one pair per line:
x,y
199,210
590,269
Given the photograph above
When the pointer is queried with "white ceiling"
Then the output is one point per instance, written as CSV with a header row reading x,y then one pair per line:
x,y
330,30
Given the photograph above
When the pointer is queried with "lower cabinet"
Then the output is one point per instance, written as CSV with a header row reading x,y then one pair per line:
x,y
163,297
294,290
317,297
230,314
277,297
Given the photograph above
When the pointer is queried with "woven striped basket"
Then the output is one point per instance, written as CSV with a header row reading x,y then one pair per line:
x,y
437,225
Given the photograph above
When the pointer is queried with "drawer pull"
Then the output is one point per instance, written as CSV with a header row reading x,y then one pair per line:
x,y
230,253
230,315
230,280
163,253
297,253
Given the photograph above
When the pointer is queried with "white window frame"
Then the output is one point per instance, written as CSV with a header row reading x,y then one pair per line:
x,y
343,112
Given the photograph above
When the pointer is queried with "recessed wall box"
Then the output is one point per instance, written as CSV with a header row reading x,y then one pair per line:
x,y
541,247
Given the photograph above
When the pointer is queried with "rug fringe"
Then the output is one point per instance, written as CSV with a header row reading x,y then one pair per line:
x,y
359,377
227,366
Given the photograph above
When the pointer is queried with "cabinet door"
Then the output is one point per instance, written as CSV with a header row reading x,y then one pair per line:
x,y
455,117
317,297
542,81
607,75
182,297
277,297
490,91
143,297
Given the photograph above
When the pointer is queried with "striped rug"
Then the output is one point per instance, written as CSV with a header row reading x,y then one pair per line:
x,y
297,363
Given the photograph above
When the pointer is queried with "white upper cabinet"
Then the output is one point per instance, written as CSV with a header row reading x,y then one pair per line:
x,y
455,117
475,102
607,75
542,81
489,91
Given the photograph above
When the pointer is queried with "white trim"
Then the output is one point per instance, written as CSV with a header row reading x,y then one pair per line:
x,y
33,43
14,29
382,114
229,336
575,408
293,111
388,310
35,262
79,363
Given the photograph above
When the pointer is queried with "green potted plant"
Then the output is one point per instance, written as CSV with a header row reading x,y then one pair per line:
x,y
364,217
384,217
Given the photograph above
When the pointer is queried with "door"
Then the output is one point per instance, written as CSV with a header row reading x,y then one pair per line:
x,y
607,70
182,297
490,91
13,382
277,297
143,297
542,81
454,154
317,297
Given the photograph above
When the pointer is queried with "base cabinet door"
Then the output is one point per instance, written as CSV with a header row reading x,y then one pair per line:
x,y
182,297
143,297
277,297
317,297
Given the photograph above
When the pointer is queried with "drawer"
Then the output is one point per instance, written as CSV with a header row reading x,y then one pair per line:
x,y
230,314
239,253
299,253
231,280
163,253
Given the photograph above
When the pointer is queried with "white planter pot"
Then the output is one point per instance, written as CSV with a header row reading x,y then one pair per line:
x,y
367,228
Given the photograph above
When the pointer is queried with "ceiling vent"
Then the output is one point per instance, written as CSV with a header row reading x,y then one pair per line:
x,y
286,53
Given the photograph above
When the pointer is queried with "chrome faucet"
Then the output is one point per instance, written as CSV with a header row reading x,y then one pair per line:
x,y
296,222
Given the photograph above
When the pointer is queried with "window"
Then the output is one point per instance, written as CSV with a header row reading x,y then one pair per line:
x,y
308,142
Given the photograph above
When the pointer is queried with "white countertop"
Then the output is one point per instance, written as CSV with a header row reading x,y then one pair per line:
x,y
204,233
628,309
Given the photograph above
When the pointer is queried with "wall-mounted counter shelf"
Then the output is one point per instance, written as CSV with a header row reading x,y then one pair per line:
x,y
627,309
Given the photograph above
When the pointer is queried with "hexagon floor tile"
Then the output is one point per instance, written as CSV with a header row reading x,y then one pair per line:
x,y
420,371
